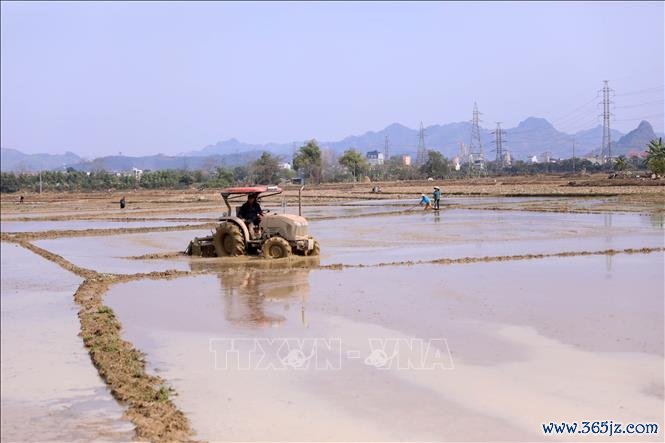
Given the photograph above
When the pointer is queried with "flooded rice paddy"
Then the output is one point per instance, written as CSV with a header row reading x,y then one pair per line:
x,y
510,333
469,324
49,388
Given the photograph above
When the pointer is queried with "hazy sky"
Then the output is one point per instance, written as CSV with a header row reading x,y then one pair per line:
x,y
141,78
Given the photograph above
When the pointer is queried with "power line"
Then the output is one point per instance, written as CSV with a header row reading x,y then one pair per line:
x,y
641,91
574,111
640,104
638,118
582,125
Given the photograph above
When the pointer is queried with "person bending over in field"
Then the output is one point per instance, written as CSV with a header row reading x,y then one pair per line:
x,y
424,200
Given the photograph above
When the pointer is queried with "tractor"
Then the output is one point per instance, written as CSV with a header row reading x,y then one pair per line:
x,y
275,236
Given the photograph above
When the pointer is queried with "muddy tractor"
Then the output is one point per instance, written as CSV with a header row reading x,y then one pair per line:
x,y
275,235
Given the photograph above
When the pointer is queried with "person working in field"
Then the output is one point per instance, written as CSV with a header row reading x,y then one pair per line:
x,y
251,210
424,200
436,195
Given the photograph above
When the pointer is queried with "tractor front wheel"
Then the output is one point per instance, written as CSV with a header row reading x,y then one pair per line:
x,y
316,250
228,240
276,247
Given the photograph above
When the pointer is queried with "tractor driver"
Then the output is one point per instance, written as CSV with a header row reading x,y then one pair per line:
x,y
251,211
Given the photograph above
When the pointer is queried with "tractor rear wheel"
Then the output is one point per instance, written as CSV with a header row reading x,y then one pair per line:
x,y
228,240
276,247
316,250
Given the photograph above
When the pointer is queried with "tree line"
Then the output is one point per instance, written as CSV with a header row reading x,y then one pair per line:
x,y
310,163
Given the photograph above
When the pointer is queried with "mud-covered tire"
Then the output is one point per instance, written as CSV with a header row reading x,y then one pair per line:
x,y
316,250
276,247
228,240
193,248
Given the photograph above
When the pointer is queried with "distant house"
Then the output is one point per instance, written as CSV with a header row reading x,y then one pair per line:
x,y
545,157
137,174
406,160
375,158
285,165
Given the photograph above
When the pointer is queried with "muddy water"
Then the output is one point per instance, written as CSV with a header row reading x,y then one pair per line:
x,y
525,342
454,233
109,253
49,388
459,233
79,225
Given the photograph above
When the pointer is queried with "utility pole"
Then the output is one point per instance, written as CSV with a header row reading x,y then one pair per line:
x,y
606,148
386,149
421,154
498,142
476,156
40,182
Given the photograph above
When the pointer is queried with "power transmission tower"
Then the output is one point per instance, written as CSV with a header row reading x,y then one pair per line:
x,y
421,155
386,149
606,147
498,142
573,154
463,154
476,156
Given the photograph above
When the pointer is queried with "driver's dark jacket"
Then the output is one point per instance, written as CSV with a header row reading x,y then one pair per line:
x,y
250,211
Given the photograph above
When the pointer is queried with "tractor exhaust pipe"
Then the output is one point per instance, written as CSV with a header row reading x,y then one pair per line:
x,y
300,200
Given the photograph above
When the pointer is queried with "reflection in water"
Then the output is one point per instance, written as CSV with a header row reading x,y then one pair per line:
x,y
250,294
253,289
657,219
607,219
608,238
608,265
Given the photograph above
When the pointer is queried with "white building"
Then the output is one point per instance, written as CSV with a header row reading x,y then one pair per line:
x,y
375,158
285,165
137,174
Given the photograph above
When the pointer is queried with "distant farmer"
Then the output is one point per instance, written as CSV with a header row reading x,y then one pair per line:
x,y
122,202
436,196
21,200
251,211
424,200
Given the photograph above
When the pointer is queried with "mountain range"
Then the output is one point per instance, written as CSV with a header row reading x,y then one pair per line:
x,y
530,137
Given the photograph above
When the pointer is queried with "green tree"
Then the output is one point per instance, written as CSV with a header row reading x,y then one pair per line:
x,y
397,170
240,174
185,180
355,162
265,170
308,161
621,164
9,182
436,165
656,156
